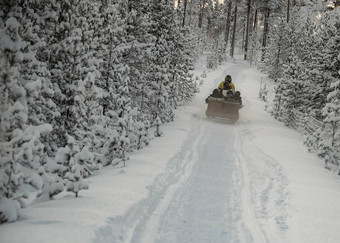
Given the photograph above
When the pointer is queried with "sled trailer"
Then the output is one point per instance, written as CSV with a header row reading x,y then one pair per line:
x,y
220,108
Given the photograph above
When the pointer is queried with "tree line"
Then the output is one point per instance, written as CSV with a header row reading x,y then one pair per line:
x,y
83,84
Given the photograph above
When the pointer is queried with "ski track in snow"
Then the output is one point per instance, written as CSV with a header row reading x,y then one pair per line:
x,y
199,211
241,197
259,193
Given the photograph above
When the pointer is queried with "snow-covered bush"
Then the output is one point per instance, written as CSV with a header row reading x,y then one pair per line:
x,y
157,123
9,210
142,135
82,165
52,184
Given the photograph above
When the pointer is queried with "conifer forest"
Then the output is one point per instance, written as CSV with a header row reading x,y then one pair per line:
x,y
84,84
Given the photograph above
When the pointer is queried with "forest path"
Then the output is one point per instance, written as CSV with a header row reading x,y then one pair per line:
x,y
220,187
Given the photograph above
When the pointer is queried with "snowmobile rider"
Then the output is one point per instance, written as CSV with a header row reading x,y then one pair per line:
x,y
226,90
230,89
226,84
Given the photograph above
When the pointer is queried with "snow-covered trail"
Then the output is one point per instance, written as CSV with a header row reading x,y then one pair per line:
x,y
196,209
213,189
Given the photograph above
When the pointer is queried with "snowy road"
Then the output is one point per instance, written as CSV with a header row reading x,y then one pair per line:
x,y
218,188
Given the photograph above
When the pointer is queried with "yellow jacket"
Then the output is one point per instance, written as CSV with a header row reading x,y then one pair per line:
x,y
220,86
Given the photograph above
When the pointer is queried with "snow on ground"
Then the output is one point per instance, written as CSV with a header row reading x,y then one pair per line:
x,y
205,180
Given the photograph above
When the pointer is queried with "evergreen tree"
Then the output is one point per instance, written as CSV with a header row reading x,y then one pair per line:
x,y
19,141
277,51
125,120
82,164
161,17
51,184
89,114
331,110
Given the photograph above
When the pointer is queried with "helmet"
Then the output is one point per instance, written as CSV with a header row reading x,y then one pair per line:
x,y
228,78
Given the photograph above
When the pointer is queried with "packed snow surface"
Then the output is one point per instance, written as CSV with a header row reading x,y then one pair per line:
x,y
205,180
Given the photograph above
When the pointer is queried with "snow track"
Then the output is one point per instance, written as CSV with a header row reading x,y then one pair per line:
x,y
199,211
260,188
188,202
138,225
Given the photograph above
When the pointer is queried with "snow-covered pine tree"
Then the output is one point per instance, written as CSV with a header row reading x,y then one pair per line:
x,y
215,22
82,165
159,69
276,52
253,54
51,184
74,163
66,53
182,58
285,95
79,60
20,86
141,131
64,158
289,56
331,110
35,77
276,110
317,67
125,118
19,141
138,55
90,119
331,134
306,47
315,89
34,70
107,37
54,27
116,51
157,123
40,33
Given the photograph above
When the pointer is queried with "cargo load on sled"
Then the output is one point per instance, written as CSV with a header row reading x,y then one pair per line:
x,y
224,104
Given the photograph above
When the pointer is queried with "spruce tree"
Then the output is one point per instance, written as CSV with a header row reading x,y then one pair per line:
x,y
19,141
331,110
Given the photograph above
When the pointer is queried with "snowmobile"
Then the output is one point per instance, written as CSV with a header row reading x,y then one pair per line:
x,y
224,104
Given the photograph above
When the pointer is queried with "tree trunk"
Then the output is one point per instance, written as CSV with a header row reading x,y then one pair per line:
x,y
209,23
288,9
244,36
255,20
227,29
185,12
190,11
200,19
265,32
247,31
234,33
